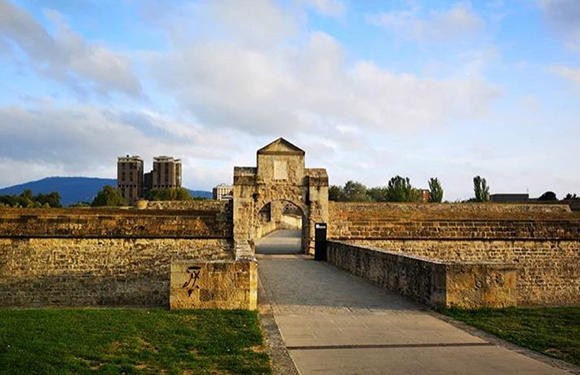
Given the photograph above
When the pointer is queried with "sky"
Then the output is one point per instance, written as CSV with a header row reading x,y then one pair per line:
x,y
369,89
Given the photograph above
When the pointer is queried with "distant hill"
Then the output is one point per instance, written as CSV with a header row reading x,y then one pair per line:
x,y
75,189
200,194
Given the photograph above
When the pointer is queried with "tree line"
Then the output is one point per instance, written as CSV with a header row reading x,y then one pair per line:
x,y
110,196
27,200
398,189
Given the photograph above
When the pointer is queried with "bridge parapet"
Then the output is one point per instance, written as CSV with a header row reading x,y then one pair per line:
x,y
436,283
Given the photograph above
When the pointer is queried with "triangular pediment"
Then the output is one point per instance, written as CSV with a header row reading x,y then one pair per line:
x,y
282,147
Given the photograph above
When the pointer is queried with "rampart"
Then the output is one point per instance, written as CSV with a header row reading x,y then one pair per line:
x,y
82,257
192,205
543,241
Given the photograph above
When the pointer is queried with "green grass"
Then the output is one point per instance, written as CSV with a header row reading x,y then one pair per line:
x,y
551,331
131,341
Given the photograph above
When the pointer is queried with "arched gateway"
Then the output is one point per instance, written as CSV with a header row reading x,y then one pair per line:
x,y
280,176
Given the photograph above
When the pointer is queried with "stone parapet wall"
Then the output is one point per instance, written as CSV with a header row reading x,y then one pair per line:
x,y
432,282
291,222
465,210
193,205
100,271
473,229
265,228
87,257
111,223
222,284
358,221
548,271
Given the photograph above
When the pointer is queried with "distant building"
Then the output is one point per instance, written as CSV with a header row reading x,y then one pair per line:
x,y
166,173
509,198
134,184
223,192
130,177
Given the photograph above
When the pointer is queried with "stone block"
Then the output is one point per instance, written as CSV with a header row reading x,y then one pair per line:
x,y
220,284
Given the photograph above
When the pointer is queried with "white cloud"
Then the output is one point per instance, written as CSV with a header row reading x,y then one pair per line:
x,y
77,139
331,8
256,23
66,56
241,74
441,25
285,91
564,17
571,74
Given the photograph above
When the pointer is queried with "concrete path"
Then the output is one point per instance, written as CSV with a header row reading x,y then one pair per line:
x,y
283,241
335,323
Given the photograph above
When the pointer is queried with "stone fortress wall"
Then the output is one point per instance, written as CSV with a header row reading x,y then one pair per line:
x,y
93,257
542,242
198,254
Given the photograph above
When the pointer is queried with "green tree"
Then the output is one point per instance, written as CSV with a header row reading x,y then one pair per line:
x,y
399,189
52,199
548,196
109,197
26,199
335,193
435,191
481,189
9,200
182,194
177,194
355,192
377,194
80,204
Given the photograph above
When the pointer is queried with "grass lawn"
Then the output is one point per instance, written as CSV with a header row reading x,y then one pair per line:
x,y
553,331
131,341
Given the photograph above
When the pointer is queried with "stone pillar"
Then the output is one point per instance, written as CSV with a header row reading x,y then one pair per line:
x,y
243,202
276,210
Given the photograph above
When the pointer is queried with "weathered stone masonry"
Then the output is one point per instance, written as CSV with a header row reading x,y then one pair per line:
x,y
103,257
280,175
429,281
542,242
198,254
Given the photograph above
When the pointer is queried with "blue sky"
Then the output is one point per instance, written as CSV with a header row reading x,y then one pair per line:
x,y
369,89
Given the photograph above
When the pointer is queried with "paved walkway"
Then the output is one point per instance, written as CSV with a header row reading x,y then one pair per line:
x,y
284,241
335,323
